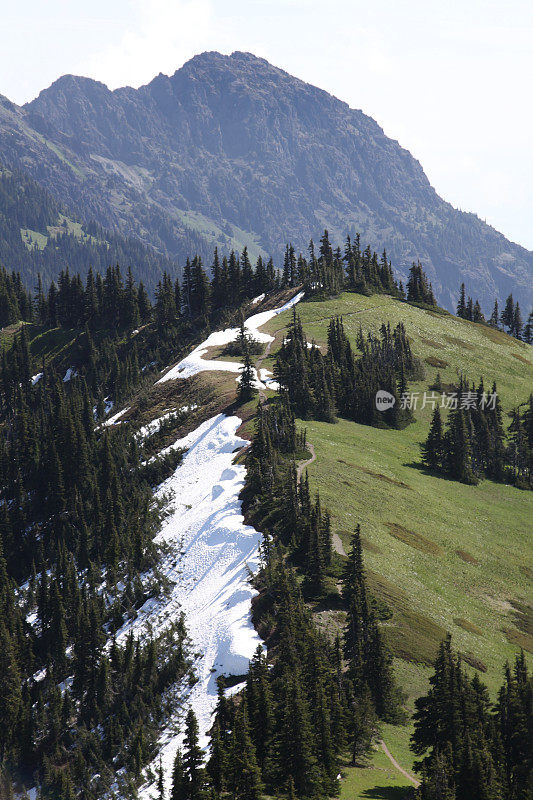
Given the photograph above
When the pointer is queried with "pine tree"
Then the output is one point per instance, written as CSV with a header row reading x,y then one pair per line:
x,y
295,744
459,450
461,303
516,327
528,329
193,760
247,389
10,692
160,781
244,773
495,316
363,726
178,778
217,766
508,312
477,313
433,448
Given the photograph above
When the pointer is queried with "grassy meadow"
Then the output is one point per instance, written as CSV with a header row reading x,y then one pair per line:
x,y
442,555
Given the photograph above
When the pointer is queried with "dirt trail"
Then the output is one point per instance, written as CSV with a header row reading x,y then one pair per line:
x,y
349,314
336,539
305,464
338,545
395,764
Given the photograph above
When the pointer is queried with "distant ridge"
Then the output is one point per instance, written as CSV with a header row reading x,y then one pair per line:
x,y
231,150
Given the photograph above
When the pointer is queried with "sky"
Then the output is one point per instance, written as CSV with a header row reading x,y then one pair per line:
x,y
449,79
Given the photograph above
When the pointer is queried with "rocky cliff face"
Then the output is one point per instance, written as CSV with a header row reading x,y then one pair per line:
x,y
233,150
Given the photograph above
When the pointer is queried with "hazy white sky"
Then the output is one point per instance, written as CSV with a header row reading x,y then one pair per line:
x,y
450,79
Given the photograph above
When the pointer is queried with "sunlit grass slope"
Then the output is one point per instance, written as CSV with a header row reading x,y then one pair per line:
x,y
444,556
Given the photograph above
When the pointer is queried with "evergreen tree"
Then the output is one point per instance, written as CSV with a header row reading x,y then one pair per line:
x,y
433,449
178,778
244,773
461,303
528,329
508,312
10,689
495,316
247,389
516,327
193,760
459,451
160,781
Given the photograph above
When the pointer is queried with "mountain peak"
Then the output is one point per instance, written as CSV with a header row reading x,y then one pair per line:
x,y
69,85
239,151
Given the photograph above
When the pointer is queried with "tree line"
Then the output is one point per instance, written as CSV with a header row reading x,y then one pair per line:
x,y
510,319
319,386
107,298
474,444
473,750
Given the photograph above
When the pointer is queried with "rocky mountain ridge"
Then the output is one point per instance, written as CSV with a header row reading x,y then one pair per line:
x,y
231,151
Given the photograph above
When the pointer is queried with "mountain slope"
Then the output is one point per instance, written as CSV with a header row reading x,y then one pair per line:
x,y
443,555
233,150
40,236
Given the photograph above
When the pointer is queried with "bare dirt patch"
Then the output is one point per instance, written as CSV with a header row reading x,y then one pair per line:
x,y
474,661
415,540
521,358
468,626
523,616
439,363
373,474
432,343
460,342
496,336
466,556
519,639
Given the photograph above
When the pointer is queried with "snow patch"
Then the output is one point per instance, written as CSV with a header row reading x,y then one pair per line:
x,y
195,362
153,426
268,381
36,378
115,418
71,372
211,553
258,299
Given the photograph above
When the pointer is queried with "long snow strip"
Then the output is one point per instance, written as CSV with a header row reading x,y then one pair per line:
x,y
195,363
211,554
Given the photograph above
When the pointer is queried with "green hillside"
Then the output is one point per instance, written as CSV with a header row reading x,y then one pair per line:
x,y
39,236
443,556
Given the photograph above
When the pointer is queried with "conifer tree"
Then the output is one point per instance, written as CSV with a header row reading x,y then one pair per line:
x,y
160,781
459,451
247,389
193,760
528,329
461,303
244,773
516,327
508,312
178,778
433,448
10,689
495,316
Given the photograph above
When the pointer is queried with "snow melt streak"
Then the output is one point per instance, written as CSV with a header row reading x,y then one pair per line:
x,y
195,363
211,551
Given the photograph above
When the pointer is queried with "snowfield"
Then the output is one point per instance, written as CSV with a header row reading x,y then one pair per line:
x,y
195,362
212,553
